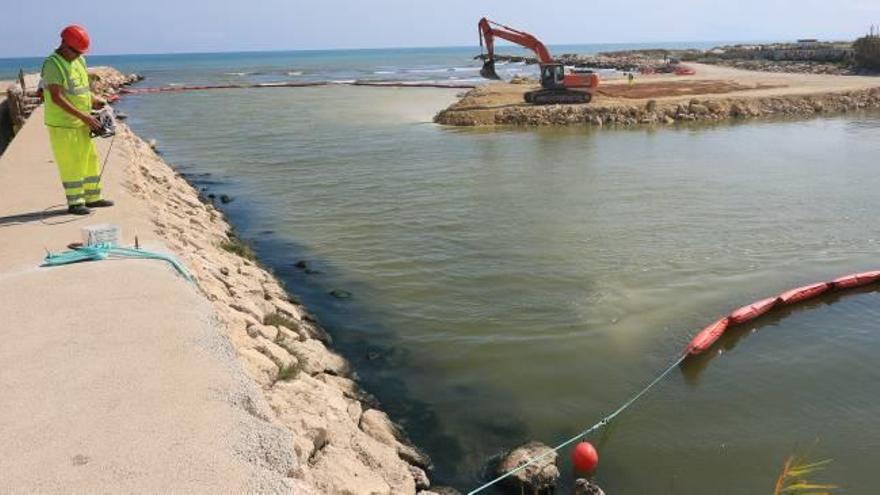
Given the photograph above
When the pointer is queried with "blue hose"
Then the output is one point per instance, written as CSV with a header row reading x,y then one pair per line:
x,y
105,251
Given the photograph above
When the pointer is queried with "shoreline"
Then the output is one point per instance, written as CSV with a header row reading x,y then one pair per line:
x,y
325,434
339,436
337,426
713,94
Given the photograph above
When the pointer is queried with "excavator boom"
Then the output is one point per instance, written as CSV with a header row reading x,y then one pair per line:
x,y
488,30
557,85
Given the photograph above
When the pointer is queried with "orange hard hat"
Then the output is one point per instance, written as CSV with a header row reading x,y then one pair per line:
x,y
76,37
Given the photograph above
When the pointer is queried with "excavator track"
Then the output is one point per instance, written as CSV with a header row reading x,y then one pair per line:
x,y
557,96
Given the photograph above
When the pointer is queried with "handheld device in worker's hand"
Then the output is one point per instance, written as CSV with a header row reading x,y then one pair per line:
x,y
108,122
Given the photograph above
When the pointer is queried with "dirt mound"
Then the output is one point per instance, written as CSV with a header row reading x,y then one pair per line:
x,y
676,88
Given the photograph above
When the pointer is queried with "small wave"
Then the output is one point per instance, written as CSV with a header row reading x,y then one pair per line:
x,y
295,73
239,74
384,72
441,70
425,71
451,81
343,81
407,83
465,80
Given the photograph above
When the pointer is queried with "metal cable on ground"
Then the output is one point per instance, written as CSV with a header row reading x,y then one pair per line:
x,y
106,157
604,421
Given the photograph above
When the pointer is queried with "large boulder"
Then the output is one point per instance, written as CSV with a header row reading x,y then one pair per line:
x,y
584,486
376,424
440,490
538,477
341,457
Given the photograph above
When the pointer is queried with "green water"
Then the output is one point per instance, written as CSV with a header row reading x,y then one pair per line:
x,y
510,285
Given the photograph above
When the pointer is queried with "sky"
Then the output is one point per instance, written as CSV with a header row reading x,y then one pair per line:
x,y
169,26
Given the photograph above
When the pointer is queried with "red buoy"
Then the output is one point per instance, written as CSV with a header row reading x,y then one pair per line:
x,y
584,457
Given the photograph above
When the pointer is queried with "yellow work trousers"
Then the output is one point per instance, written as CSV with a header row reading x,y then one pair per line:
x,y
77,162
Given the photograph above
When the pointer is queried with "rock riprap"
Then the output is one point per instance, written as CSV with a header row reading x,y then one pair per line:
x,y
538,477
341,442
657,112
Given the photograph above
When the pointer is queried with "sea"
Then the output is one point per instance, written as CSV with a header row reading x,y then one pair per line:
x,y
513,284
439,65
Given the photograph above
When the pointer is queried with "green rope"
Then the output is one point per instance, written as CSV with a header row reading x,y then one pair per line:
x,y
603,422
106,251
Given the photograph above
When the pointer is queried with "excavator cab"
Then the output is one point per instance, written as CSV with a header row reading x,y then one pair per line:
x,y
558,87
553,76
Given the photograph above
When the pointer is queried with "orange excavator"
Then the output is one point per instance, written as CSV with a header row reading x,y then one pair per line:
x,y
556,85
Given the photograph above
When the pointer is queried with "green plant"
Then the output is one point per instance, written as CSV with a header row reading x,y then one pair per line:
x,y
289,372
282,341
286,372
793,478
286,344
235,245
867,50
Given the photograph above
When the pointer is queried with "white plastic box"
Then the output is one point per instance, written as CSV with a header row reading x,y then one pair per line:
x,y
101,234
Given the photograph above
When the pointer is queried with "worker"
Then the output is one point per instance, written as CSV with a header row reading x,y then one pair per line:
x,y
69,102
630,78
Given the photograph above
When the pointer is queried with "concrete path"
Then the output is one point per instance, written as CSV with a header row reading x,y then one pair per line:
x,y
113,376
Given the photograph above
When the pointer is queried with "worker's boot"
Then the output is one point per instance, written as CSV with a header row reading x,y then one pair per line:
x,y
78,210
101,203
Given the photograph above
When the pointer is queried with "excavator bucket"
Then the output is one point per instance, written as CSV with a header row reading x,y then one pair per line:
x,y
488,70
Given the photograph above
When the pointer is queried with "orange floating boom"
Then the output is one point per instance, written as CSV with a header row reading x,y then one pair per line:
x,y
711,333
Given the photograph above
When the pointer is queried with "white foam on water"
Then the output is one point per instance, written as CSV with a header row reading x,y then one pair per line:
x,y
425,71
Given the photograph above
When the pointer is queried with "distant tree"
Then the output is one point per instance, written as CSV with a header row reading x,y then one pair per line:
x,y
867,50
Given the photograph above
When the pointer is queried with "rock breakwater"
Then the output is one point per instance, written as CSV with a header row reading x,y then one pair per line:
x,y
813,57
663,112
342,441
23,96
791,66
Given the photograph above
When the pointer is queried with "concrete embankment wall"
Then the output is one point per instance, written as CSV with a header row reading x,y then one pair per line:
x,y
265,405
114,375
17,101
5,124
